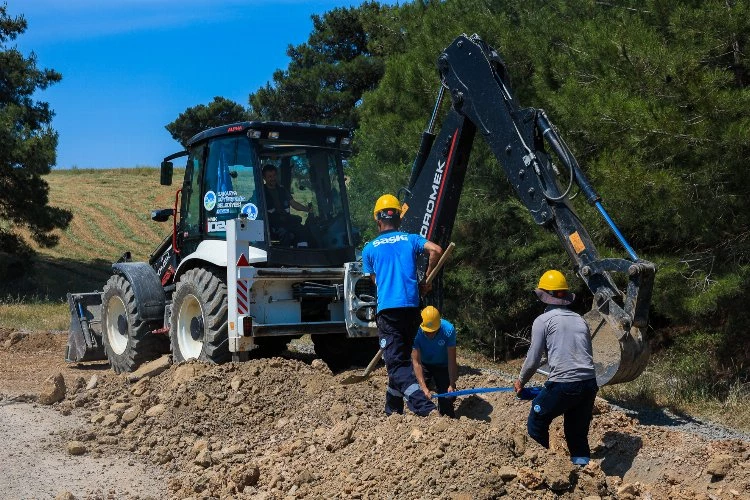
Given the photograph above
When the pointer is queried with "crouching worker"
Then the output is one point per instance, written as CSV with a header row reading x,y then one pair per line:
x,y
434,357
564,337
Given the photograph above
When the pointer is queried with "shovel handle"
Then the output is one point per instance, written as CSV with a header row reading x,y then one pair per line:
x,y
440,263
374,362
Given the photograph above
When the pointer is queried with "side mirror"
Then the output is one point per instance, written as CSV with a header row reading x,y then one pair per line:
x,y
167,169
162,214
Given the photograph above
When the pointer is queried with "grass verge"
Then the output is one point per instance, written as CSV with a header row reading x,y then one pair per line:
x,y
34,315
660,387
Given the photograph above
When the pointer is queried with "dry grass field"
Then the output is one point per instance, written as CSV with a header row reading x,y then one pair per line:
x,y
111,215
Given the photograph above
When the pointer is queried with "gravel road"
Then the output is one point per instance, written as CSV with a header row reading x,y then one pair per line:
x,y
34,462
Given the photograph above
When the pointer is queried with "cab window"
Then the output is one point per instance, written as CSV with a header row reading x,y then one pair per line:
x,y
229,184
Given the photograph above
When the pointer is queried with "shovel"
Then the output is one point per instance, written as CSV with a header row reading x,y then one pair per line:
x,y
353,379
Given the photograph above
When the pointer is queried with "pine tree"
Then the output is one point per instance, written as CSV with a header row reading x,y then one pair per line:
x,y
27,152
327,75
198,118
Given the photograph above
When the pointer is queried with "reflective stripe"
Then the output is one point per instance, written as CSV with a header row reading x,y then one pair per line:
x,y
391,390
411,390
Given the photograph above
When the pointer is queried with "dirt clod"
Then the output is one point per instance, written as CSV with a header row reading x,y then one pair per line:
x,y
558,474
719,465
14,338
244,475
53,390
130,414
76,448
530,478
339,436
507,473
150,369
156,410
628,491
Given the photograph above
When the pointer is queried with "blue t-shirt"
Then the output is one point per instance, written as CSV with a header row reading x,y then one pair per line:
x,y
434,351
392,256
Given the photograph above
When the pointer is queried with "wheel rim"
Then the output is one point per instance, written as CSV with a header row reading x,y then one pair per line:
x,y
117,325
190,328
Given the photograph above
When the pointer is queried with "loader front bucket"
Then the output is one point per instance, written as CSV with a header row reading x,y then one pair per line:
x,y
85,338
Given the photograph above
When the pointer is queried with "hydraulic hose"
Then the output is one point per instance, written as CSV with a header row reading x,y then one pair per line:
x,y
616,230
562,151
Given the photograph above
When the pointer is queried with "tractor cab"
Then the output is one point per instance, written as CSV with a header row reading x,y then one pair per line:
x,y
290,176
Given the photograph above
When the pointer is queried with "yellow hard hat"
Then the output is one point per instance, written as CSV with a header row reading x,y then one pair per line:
x,y
430,319
385,202
553,280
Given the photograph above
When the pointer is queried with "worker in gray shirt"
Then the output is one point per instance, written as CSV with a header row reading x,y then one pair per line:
x,y
571,388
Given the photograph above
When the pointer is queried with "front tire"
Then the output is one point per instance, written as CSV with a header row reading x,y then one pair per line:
x,y
128,341
199,317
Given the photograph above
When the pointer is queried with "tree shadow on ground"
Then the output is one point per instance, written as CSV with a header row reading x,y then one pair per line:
x,y
468,370
52,278
474,407
620,451
647,414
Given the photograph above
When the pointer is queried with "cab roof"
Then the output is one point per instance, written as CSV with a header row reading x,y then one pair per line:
x,y
267,126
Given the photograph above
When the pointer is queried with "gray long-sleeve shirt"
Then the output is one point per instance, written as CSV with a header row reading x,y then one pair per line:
x,y
564,336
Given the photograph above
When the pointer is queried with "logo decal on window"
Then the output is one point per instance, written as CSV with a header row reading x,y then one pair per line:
x,y
250,210
209,200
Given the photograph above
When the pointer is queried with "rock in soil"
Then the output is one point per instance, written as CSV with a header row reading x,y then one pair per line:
x,y
53,390
719,465
76,448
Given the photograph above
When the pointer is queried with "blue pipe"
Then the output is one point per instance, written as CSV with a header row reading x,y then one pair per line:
x,y
526,393
615,230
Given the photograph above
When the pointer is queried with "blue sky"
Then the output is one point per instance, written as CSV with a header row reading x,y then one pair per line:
x,y
131,66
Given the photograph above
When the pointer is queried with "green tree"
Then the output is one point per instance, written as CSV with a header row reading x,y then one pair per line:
x,y
27,152
198,118
651,96
325,80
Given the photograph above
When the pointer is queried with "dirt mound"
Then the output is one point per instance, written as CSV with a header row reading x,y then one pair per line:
x,y
280,427
27,342
4,334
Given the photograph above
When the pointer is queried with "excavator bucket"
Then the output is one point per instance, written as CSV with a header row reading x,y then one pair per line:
x,y
85,338
618,356
618,327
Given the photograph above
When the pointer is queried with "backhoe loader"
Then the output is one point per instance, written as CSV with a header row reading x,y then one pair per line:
x,y
226,281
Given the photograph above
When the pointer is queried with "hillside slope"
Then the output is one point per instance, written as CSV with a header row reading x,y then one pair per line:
x,y
111,215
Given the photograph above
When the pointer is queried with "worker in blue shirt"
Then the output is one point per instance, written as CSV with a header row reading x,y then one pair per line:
x,y
391,261
434,357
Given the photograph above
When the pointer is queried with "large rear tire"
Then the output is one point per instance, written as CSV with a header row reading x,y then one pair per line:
x,y
199,317
128,341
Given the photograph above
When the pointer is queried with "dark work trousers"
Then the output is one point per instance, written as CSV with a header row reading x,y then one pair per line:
x,y
573,400
397,328
439,374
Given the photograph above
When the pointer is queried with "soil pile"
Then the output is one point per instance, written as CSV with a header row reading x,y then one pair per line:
x,y
288,428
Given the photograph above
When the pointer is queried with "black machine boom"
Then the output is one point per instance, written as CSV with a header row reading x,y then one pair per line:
x,y
476,79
